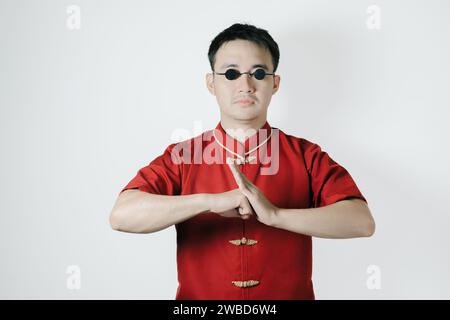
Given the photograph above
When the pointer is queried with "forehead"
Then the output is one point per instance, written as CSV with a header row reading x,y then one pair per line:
x,y
242,53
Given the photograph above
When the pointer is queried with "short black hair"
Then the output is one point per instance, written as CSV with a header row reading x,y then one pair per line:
x,y
245,32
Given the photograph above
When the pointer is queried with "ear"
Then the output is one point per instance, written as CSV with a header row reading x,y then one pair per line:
x,y
276,84
210,83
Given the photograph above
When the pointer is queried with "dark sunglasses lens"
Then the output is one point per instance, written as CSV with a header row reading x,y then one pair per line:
x,y
259,74
232,74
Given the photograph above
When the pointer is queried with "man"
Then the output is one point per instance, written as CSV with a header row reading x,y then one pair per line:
x,y
245,198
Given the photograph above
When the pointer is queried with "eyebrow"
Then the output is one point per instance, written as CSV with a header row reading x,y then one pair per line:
x,y
263,66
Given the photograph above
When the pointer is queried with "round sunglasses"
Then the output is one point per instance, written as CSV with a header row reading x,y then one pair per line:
x,y
233,74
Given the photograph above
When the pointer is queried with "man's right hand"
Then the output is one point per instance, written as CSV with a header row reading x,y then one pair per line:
x,y
230,204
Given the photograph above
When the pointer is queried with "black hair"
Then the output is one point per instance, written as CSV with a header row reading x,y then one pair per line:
x,y
245,32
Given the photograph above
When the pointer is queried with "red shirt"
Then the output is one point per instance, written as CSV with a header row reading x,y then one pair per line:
x,y
231,258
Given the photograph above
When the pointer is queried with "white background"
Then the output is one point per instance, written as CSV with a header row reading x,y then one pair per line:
x,y
83,110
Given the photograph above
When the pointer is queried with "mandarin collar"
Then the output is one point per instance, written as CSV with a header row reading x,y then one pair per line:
x,y
237,146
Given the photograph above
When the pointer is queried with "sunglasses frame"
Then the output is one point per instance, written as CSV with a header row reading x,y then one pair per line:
x,y
251,74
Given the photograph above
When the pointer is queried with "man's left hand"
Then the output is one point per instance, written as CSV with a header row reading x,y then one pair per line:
x,y
264,209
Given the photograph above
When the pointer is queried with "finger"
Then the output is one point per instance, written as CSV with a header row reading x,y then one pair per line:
x,y
246,216
234,171
237,174
244,210
253,189
248,192
242,181
233,213
246,206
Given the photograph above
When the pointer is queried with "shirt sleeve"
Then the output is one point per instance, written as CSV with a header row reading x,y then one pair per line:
x,y
330,182
160,176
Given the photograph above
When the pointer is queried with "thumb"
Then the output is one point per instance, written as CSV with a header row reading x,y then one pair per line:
x,y
246,206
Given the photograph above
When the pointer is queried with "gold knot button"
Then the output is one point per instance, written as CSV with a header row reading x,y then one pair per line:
x,y
243,240
245,284
240,160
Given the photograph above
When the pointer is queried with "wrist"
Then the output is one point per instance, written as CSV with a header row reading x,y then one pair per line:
x,y
276,217
206,200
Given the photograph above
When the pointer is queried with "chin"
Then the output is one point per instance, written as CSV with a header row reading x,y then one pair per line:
x,y
242,113
245,115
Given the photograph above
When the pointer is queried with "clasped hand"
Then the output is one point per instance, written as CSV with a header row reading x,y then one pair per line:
x,y
244,201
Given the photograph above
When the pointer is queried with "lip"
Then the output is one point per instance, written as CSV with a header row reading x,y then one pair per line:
x,y
245,101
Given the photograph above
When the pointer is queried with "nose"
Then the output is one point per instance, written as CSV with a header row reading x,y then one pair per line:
x,y
245,83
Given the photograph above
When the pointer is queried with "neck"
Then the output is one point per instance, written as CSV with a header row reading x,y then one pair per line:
x,y
242,129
